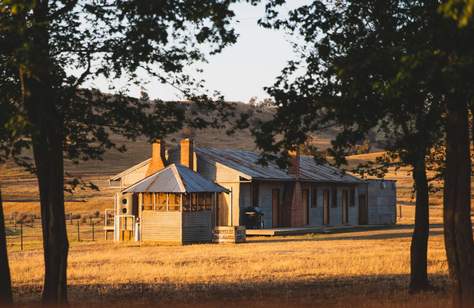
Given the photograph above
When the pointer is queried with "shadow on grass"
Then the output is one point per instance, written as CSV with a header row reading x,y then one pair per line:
x,y
347,291
351,235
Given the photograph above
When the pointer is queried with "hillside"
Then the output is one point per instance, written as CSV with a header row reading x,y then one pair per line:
x,y
20,190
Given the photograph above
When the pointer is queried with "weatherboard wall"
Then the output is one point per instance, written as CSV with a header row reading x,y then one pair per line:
x,y
382,198
197,227
228,212
161,226
134,176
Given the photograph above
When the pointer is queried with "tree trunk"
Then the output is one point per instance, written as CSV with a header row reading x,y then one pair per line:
x,y
5,282
457,204
419,243
42,106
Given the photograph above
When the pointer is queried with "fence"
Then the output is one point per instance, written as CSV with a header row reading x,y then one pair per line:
x,y
24,235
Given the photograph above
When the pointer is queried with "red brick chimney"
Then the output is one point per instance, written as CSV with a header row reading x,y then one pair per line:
x,y
158,160
294,166
187,153
296,208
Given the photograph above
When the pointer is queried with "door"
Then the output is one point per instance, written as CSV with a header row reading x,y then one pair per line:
x,y
326,207
305,203
363,210
345,206
275,208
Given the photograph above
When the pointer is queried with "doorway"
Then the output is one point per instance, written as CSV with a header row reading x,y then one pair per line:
x,y
345,207
305,203
363,210
275,208
326,207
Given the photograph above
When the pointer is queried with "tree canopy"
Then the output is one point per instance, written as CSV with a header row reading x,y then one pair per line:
x,y
50,48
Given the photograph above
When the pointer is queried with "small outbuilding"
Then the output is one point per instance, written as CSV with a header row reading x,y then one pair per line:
x,y
175,204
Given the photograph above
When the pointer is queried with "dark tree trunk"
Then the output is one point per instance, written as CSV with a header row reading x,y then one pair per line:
x,y
5,282
457,204
419,243
47,150
42,107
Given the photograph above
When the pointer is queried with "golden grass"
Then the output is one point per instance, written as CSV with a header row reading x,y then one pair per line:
x,y
361,267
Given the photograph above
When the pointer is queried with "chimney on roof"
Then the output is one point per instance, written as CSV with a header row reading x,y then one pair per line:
x,y
294,166
158,159
187,153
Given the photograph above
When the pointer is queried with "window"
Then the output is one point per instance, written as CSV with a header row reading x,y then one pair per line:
x,y
314,198
352,197
334,197
186,202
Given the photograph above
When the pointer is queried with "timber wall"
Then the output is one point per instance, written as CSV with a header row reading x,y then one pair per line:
x,y
161,226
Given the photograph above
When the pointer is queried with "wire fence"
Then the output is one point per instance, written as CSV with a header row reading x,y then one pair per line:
x,y
25,234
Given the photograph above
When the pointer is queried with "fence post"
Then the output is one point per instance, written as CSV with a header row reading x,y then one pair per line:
x,y
78,233
21,236
93,231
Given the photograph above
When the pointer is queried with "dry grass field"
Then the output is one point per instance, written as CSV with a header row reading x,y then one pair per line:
x,y
368,268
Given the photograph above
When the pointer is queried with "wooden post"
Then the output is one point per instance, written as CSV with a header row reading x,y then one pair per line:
x,y
154,201
140,204
167,201
181,202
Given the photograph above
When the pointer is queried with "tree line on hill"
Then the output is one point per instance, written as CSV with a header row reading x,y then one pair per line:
x,y
402,68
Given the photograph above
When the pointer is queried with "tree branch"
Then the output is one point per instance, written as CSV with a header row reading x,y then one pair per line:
x,y
65,9
84,74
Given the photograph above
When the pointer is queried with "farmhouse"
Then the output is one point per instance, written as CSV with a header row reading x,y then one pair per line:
x,y
183,194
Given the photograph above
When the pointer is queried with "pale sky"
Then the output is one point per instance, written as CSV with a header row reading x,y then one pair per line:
x,y
239,71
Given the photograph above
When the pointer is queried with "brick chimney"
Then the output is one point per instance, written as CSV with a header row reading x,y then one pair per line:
x,y
158,160
296,207
187,153
294,166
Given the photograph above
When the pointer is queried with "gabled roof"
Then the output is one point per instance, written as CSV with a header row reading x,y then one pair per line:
x,y
175,179
129,170
246,162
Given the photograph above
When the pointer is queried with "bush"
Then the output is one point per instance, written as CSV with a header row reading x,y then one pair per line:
x,y
25,218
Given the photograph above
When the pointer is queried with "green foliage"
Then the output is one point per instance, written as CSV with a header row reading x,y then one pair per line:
x,y
365,66
459,10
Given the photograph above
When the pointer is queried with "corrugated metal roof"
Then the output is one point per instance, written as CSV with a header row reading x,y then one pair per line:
x,y
246,162
175,179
